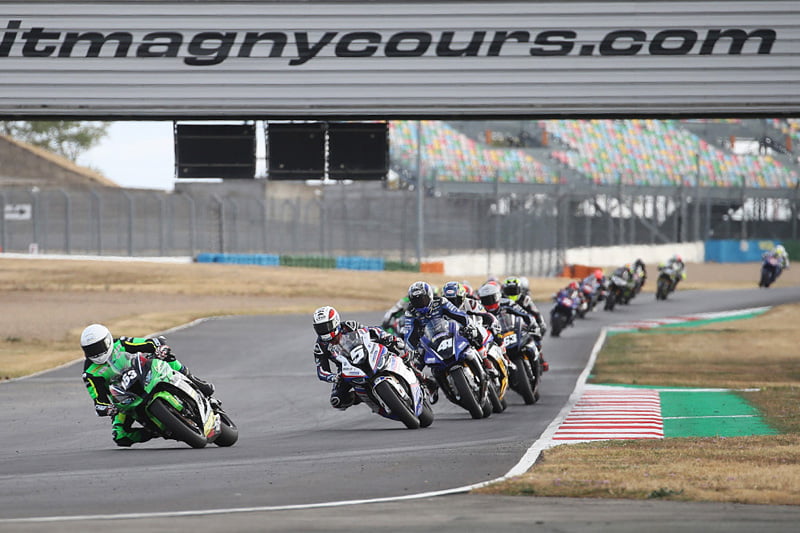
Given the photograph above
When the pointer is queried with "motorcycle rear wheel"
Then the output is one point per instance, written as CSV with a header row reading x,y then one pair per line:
x,y
396,405
176,425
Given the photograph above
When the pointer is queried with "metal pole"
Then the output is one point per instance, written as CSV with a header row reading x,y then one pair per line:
x,y
130,222
192,225
98,221
420,196
67,221
221,223
2,222
696,198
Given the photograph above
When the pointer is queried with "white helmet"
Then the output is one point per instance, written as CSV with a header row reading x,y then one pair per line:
x,y
327,323
780,250
97,343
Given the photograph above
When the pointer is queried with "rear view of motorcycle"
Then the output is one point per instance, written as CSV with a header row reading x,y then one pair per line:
x,y
169,404
457,367
382,380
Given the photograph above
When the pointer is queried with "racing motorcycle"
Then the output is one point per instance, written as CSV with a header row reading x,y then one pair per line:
x,y
456,366
382,380
667,281
526,375
169,404
770,270
586,300
562,313
616,292
496,369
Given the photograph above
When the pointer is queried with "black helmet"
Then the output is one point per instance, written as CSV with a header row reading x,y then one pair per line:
x,y
420,295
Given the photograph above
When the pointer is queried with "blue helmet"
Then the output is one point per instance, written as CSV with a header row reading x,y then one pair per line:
x,y
455,292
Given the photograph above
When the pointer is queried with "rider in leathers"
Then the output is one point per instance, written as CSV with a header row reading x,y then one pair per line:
x,y
424,307
329,330
104,362
517,290
494,302
456,293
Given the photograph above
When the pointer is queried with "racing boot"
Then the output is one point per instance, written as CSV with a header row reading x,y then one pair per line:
x,y
429,383
206,388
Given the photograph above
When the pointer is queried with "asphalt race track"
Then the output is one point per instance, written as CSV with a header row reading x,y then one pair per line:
x,y
60,470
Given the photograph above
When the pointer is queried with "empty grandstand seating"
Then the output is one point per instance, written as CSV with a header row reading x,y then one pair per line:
x,y
658,152
452,156
604,152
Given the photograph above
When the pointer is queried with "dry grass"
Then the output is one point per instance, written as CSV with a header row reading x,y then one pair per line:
x,y
755,353
764,470
49,302
736,354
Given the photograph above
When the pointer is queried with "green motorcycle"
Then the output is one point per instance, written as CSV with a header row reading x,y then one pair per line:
x,y
168,403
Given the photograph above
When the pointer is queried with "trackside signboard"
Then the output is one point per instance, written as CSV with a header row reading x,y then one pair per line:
x,y
398,59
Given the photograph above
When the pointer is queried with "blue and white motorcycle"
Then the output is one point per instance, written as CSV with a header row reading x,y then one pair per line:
x,y
382,380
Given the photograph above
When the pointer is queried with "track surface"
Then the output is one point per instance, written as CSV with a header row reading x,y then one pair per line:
x,y
57,458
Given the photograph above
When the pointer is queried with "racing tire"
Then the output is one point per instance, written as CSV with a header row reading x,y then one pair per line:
x,y
524,385
426,416
765,279
662,289
486,407
494,399
534,372
396,405
229,433
176,425
467,397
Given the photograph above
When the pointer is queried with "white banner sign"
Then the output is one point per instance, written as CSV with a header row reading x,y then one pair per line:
x,y
399,59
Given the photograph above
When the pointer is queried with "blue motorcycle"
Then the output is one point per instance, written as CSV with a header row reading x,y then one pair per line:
x,y
456,366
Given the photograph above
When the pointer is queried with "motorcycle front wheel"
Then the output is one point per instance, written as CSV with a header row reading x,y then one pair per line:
x,y
229,433
497,405
467,397
523,383
396,405
426,416
177,425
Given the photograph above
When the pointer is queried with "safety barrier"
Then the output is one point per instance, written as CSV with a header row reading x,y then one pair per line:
x,y
578,271
309,261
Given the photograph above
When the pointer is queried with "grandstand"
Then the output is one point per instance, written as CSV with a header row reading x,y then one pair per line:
x,y
452,156
640,152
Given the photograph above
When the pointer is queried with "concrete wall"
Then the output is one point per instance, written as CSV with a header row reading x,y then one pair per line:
x,y
544,263
21,163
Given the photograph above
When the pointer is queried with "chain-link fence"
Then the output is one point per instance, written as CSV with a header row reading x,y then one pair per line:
x,y
366,219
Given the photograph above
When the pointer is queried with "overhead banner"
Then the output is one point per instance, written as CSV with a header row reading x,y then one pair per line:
x,y
398,59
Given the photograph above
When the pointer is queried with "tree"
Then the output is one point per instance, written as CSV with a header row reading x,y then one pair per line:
x,y
66,138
